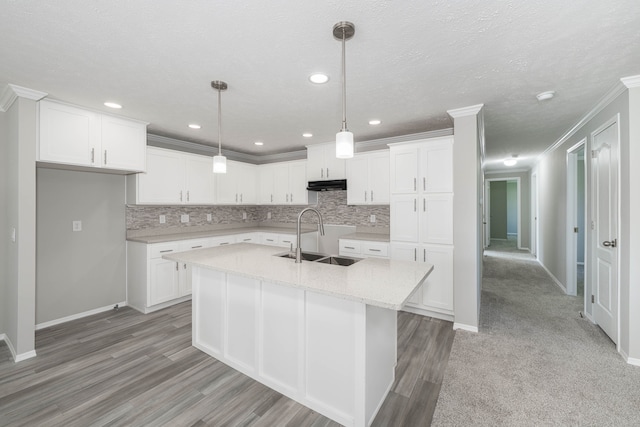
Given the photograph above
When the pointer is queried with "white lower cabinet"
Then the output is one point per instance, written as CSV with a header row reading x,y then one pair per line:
x,y
364,248
435,296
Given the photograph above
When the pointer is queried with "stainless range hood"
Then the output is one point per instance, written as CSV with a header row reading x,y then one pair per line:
x,y
327,185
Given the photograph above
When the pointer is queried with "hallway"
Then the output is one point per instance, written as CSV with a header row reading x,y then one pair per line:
x,y
535,360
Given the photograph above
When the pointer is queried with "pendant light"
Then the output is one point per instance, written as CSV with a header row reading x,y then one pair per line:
x,y
344,139
219,161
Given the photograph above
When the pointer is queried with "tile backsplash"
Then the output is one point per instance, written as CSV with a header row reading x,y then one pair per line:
x,y
331,204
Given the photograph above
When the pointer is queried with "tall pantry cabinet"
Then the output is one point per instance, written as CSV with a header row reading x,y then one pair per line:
x,y
421,186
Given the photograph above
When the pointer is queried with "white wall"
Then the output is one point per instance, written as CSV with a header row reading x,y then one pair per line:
x,y
86,270
20,214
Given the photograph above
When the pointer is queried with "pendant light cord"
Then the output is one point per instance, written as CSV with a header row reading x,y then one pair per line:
x,y
219,124
344,83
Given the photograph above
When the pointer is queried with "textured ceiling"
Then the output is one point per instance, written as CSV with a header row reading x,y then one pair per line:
x,y
408,63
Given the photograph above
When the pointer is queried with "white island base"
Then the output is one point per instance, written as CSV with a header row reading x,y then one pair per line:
x,y
333,355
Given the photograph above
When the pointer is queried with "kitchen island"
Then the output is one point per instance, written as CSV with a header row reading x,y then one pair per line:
x,y
323,335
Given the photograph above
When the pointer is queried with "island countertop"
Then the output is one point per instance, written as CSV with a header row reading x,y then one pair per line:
x,y
378,282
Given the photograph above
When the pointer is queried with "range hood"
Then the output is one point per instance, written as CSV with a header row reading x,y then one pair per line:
x,y
328,185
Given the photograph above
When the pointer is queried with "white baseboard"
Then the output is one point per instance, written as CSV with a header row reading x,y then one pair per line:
x,y
630,360
554,278
79,315
17,357
428,313
464,327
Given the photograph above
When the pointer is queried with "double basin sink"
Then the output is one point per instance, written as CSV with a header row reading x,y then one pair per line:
x,y
321,258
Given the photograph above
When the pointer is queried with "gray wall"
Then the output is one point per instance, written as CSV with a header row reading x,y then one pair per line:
x,y
498,208
85,270
512,208
525,201
581,207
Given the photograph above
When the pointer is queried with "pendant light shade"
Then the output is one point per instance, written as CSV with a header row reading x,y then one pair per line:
x,y
344,139
219,161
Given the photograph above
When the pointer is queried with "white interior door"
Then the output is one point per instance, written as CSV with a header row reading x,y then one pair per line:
x,y
487,214
604,167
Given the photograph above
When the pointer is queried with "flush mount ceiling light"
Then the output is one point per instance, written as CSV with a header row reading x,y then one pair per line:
x,y
307,135
543,96
258,143
344,31
219,161
113,105
511,161
374,122
318,78
194,126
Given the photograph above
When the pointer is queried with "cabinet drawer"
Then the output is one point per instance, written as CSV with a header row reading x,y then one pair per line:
x,y
224,240
158,249
350,247
378,249
195,244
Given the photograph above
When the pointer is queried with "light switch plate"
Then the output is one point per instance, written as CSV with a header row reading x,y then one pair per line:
x,y
77,225
268,215
162,219
244,215
184,218
13,234
372,218
209,217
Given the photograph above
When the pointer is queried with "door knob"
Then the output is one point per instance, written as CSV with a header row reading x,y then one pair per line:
x,y
611,243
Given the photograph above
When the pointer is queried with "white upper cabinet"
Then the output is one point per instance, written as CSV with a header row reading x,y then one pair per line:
x,y
404,170
322,163
78,137
436,166
172,178
238,185
368,178
283,183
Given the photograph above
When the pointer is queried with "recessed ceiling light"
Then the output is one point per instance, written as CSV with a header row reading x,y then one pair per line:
x,y
543,96
194,126
318,78
374,122
259,143
112,105
307,135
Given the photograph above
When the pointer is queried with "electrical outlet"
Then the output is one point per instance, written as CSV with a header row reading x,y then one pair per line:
x,y
268,215
77,225
372,218
162,219
244,215
209,217
184,218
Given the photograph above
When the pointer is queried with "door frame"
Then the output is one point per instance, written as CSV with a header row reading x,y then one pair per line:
x,y
572,217
534,215
518,208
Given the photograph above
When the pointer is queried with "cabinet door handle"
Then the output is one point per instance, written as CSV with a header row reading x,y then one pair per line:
x,y
415,254
105,157
372,195
321,172
240,197
187,195
246,240
424,183
165,251
196,247
365,195
272,198
415,205
424,255
291,198
180,195
374,250
236,197
224,243
424,205
415,184
177,264
93,155
185,266
287,198
327,172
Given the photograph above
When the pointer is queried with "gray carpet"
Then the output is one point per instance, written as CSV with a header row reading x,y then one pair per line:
x,y
535,361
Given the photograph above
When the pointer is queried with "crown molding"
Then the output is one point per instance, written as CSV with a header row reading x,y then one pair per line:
x,y
617,90
383,143
471,110
631,81
12,92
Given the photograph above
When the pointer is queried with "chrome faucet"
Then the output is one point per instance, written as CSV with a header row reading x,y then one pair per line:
x,y
298,249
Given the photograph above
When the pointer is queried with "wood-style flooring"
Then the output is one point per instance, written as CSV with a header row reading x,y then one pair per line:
x,y
123,368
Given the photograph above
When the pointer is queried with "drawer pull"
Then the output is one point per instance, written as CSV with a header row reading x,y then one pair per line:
x,y
349,247
196,247
165,251
269,240
374,250
224,243
246,240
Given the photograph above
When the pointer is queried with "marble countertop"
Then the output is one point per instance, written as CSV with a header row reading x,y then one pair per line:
x,y
373,237
161,238
379,282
